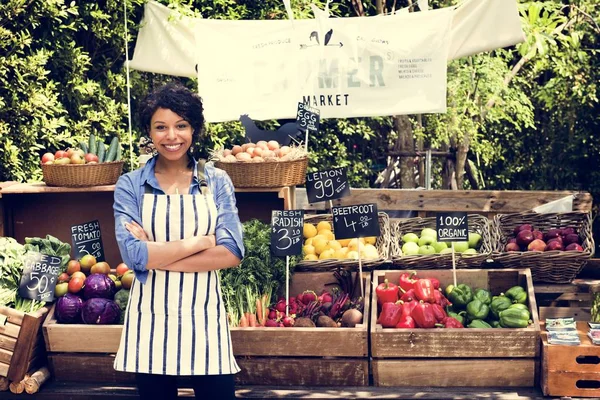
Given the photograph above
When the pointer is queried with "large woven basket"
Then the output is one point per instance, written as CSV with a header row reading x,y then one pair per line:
x,y
548,266
382,244
82,175
266,173
400,227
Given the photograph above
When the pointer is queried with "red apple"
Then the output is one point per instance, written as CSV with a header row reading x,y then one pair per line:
x,y
538,235
89,157
524,238
48,157
60,154
574,246
512,247
552,233
524,227
567,231
554,245
572,238
537,245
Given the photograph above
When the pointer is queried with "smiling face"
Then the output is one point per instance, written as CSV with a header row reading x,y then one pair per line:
x,y
171,134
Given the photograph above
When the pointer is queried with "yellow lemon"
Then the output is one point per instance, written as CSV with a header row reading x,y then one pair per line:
x,y
353,245
309,231
326,254
311,257
370,252
352,255
309,249
324,225
371,240
334,245
308,242
341,253
344,242
328,234
320,245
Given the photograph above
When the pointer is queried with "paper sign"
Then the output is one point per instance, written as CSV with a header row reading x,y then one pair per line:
x,y
40,275
286,232
87,239
355,221
452,226
327,185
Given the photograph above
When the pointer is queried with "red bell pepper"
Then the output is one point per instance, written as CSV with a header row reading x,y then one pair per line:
x,y
450,322
390,314
407,308
406,281
424,290
387,292
439,312
440,298
435,282
423,315
406,322
408,296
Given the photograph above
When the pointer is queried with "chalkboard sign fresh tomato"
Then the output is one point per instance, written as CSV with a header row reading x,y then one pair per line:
x,y
260,152
320,244
92,151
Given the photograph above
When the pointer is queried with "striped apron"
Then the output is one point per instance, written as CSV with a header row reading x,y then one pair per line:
x,y
175,323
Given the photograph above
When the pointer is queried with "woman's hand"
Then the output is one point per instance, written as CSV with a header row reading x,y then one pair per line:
x,y
137,231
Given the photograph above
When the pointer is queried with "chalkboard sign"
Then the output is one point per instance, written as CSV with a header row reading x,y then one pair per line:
x,y
355,221
327,185
452,226
308,118
286,232
87,239
40,273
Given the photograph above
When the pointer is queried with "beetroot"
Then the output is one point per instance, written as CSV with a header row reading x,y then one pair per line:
x,y
326,297
288,321
271,323
308,296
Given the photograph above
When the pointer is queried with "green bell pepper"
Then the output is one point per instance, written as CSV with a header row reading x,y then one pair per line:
x,y
477,323
499,303
519,306
476,309
517,294
514,318
459,316
484,296
495,324
459,295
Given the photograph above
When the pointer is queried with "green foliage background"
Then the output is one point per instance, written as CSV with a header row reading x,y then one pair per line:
x,y
62,77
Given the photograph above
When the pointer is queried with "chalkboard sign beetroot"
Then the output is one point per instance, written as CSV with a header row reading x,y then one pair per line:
x,y
40,273
286,232
87,239
452,226
355,221
325,185
308,118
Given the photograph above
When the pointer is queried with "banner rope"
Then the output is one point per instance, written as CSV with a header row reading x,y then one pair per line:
x,y
128,85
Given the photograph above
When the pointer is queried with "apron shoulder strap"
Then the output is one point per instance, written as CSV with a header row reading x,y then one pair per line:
x,y
148,189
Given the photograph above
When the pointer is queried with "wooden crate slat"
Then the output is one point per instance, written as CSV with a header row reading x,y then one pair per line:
x,y
11,330
12,316
302,371
3,369
579,313
28,336
562,383
7,342
5,356
86,367
515,372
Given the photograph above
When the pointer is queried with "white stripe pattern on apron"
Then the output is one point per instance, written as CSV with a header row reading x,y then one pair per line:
x,y
176,324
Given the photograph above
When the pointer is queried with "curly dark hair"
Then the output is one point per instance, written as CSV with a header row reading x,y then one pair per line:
x,y
179,99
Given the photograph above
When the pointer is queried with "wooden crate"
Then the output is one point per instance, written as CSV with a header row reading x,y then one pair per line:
x,y
571,370
460,357
21,342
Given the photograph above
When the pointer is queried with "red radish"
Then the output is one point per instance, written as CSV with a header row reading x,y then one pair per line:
x,y
280,306
273,314
326,297
271,323
308,296
299,298
288,321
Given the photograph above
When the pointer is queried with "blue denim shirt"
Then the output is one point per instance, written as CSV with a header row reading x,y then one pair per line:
x,y
129,194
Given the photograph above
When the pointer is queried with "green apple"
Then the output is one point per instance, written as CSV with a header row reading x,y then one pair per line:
x,y
439,246
474,240
447,250
468,252
429,232
426,250
427,240
410,249
410,237
459,247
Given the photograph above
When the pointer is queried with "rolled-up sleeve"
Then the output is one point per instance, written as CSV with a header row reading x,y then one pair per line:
x,y
134,252
228,232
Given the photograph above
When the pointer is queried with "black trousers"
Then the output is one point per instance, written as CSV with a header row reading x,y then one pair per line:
x,y
164,387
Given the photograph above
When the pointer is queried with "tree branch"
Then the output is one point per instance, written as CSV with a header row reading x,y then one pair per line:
x,y
358,8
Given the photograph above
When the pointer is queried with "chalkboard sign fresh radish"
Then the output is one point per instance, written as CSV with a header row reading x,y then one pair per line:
x,y
95,151
260,152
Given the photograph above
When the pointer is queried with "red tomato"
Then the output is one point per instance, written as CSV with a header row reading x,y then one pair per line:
x,y
75,285
64,277
73,266
47,158
122,269
61,154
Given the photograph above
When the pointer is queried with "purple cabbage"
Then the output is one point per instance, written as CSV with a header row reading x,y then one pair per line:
x,y
100,311
98,286
68,308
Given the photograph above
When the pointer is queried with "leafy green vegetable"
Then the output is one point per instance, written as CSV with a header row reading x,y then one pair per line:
x,y
50,246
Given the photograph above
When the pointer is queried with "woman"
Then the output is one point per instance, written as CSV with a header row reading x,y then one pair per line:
x,y
176,224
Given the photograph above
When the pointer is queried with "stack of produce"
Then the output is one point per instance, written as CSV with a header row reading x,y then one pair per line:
x,y
338,307
260,152
426,244
320,244
526,238
420,303
92,152
12,261
89,293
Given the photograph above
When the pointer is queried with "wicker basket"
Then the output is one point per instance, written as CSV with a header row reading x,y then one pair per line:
x,y
266,173
82,175
400,227
548,266
382,244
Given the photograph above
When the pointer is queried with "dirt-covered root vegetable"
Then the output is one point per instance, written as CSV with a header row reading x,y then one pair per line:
x,y
326,322
351,318
304,322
